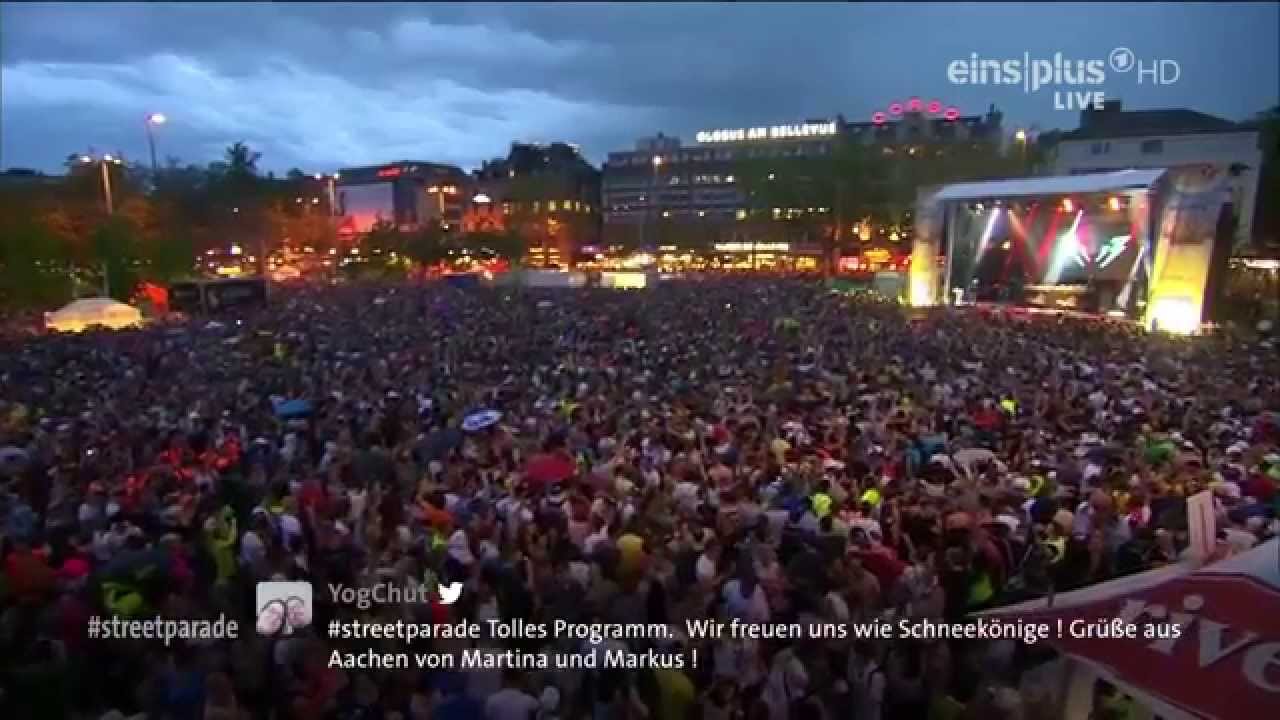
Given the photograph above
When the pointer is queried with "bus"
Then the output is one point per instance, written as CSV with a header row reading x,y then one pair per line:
x,y
213,296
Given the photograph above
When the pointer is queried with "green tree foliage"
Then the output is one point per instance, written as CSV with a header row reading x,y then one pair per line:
x,y
509,246
384,238
117,253
428,246
856,182
161,221
34,266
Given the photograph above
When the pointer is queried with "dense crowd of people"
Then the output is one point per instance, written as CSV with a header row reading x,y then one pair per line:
x,y
759,450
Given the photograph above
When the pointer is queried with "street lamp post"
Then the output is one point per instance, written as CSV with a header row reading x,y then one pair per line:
x,y
333,196
152,120
103,164
651,205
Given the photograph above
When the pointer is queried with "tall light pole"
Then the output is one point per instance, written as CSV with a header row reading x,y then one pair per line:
x,y
333,195
652,204
153,120
104,165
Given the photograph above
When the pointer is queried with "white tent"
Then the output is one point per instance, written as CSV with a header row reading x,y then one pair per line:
x,y
87,312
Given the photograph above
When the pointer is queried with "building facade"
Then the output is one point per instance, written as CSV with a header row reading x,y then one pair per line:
x,y
917,121
664,192
1114,139
548,194
411,194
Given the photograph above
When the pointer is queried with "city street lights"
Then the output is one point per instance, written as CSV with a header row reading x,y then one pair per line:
x,y
1021,137
103,164
333,195
153,120
652,204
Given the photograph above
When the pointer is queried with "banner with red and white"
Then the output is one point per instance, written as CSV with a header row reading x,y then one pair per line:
x,y
1207,641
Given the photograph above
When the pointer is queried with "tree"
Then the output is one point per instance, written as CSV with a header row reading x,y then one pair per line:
x,y
508,246
241,161
382,253
34,264
862,183
383,238
428,246
168,257
117,255
852,181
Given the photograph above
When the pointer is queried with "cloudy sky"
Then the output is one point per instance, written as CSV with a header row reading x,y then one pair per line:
x,y
330,85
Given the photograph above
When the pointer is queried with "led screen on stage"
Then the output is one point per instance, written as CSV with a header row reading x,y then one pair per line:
x,y
1044,242
364,205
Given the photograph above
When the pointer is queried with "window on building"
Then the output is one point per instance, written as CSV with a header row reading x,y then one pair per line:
x,y
551,206
675,180
1100,148
536,206
728,178
1152,147
742,214
506,208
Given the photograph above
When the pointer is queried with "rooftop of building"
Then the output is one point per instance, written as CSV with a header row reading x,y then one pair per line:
x,y
1112,121
404,165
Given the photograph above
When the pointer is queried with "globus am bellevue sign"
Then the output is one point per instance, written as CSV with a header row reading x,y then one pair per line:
x,y
772,132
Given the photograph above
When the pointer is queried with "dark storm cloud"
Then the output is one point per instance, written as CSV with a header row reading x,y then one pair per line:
x,y
326,85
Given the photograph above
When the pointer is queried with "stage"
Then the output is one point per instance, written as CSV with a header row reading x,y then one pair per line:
x,y
1138,245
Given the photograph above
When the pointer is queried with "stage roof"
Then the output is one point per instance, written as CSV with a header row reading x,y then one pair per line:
x,y
1055,185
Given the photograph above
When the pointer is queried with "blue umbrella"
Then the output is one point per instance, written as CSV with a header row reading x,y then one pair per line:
x,y
290,409
480,420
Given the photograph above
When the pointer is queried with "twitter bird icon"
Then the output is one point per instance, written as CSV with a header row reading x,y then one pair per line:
x,y
450,593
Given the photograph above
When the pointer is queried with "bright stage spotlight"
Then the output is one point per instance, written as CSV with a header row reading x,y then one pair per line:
x,y
986,235
1068,248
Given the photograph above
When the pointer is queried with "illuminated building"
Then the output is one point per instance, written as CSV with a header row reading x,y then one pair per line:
x,y
664,191
917,120
410,194
548,194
